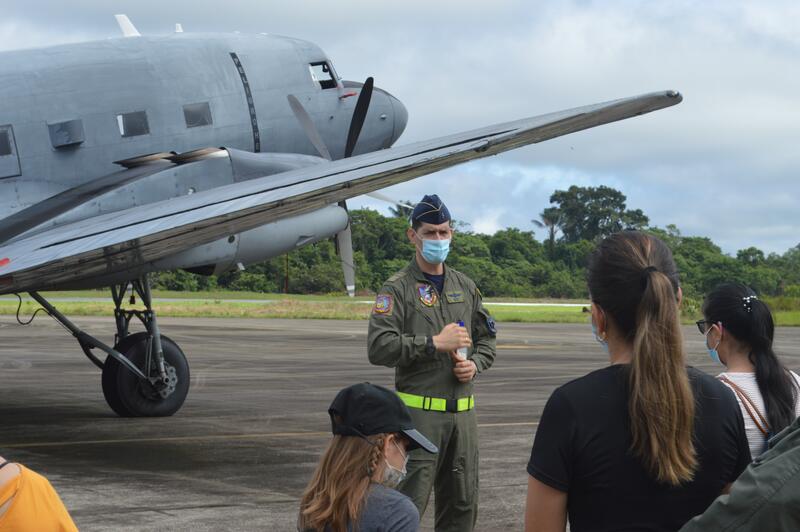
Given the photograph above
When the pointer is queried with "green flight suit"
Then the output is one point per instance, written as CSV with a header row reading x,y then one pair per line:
x,y
765,497
407,310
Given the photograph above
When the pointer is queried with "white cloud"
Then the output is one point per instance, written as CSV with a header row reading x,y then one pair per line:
x,y
490,222
724,163
16,34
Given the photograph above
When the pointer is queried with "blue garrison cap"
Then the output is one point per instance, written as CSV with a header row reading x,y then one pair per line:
x,y
430,210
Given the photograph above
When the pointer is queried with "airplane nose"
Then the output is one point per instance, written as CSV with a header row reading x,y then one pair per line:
x,y
400,118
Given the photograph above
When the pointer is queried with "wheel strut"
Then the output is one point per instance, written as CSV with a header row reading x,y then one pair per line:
x,y
123,318
144,374
165,381
86,339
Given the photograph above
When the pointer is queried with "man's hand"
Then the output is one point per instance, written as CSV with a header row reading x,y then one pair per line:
x,y
464,370
452,338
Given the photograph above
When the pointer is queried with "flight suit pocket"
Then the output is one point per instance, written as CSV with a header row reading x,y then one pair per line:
x,y
419,481
466,479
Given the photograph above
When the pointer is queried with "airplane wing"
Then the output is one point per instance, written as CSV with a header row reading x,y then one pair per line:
x,y
119,241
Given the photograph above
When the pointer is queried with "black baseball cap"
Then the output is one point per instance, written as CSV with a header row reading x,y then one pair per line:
x,y
365,409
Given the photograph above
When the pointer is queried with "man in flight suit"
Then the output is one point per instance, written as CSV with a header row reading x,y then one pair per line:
x,y
429,324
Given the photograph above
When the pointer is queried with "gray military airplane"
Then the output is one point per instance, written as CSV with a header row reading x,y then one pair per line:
x,y
203,152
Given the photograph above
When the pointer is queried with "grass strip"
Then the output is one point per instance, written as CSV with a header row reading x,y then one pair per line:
x,y
317,307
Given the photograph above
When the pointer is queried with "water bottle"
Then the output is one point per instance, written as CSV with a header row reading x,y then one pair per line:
x,y
462,351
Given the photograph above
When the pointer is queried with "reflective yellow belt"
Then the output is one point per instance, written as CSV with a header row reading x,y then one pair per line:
x,y
436,404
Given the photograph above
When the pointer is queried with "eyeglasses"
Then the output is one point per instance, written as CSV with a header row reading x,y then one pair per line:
x,y
701,325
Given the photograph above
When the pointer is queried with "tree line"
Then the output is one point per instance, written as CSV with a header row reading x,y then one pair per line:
x,y
511,262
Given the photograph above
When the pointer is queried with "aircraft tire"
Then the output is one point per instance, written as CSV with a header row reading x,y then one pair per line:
x,y
129,397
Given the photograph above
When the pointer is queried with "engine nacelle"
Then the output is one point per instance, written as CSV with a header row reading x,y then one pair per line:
x,y
259,244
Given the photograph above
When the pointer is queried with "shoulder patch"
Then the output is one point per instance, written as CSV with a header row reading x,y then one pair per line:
x,y
491,325
384,304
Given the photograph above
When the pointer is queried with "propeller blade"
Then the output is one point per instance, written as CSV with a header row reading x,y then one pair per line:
x,y
387,199
359,115
344,246
308,126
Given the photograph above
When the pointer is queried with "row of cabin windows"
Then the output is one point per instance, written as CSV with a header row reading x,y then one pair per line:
x,y
135,124
70,132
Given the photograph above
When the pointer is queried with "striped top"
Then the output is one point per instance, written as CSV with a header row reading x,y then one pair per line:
x,y
747,382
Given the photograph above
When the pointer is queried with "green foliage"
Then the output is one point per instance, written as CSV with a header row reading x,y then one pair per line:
x,y
511,262
590,213
183,281
792,291
751,256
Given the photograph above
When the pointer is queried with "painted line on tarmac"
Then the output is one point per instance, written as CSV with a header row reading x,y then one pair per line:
x,y
518,346
509,424
228,437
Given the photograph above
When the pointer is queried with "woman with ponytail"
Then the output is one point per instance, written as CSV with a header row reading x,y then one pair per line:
x,y
352,489
644,443
739,330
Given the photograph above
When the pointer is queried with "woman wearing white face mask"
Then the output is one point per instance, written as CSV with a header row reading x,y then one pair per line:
x,y
739,330
353,485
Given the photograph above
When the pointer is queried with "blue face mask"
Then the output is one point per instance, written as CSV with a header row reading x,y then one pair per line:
x,y
712,352
435,251
603,343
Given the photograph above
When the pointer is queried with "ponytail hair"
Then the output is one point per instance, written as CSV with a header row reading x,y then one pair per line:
x,y
749,320
633,279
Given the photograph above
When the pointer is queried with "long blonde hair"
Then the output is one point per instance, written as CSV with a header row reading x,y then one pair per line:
x,y
634,280
336,493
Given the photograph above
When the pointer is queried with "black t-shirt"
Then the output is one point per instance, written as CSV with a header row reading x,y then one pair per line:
x,y
582,447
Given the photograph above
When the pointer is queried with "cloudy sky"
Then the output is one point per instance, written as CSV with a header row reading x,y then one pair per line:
x,y
725,163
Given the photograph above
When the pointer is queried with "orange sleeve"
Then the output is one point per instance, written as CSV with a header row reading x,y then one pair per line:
x,y
36,506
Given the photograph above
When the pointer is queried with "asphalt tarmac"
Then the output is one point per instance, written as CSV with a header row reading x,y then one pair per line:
x,y
239,453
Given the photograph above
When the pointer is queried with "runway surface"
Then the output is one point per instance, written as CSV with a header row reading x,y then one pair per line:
x,y
239,453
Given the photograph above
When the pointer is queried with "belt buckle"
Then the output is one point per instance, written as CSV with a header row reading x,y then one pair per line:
x,y
452,405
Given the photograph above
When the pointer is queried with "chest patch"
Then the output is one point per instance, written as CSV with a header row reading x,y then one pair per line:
x,y
455,297
427,295
383,305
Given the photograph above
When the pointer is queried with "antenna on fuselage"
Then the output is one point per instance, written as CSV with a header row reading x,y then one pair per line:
x,y
127,27
178,28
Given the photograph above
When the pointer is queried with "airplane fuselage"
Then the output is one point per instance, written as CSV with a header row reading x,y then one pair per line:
x,y
70,113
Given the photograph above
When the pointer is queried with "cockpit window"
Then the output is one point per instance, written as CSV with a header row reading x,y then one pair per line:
x,y
322,72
